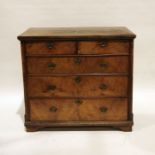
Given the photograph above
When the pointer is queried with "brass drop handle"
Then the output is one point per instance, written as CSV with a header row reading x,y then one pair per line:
x,y
50,45
78,79
103,109
103,86
53,109
78,101
103,44
51,65
103,64
51,87
77,60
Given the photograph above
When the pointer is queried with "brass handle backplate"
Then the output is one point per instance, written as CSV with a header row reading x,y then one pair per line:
x,y
77,60
78,101
103,86
78,79
51,87
50,45
103,109
53,109
51,65
103,64
103,43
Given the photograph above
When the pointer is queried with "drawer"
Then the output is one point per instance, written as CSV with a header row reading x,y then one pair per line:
x,y
105,47
115,64
58,110
75,86
56,47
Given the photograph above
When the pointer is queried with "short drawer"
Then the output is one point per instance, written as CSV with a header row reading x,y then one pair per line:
x,y
55,47
104,47
75,86
57,110
116,64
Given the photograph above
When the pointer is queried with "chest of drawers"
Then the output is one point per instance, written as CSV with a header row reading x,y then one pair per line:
x,y
78,78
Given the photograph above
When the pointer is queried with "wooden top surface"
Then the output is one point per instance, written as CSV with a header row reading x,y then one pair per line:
x,y
76,32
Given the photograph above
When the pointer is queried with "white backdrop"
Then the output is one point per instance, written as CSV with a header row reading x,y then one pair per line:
x,y
18,15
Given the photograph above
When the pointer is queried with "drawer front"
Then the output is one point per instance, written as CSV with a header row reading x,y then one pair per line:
x,y
107,47
75,86
61,47
78,110
117,64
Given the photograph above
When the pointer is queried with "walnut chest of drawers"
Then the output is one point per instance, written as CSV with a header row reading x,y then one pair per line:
x,y
78,78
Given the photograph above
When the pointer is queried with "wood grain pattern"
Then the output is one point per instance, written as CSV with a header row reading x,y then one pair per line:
x,y
67,65
89,86
51,47
78,77
69,110
103,47
77,33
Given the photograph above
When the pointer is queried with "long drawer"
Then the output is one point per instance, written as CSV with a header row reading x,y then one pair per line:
x,y
58,110
114,64
77,86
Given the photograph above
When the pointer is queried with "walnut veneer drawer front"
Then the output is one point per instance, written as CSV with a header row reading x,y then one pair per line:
x,y
78,78
78,109
74,86
118,64
103,47
50,47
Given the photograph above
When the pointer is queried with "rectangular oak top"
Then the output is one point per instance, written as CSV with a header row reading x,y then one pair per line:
x,y
77,33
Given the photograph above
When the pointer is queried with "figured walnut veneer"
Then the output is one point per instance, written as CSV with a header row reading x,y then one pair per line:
x,y
78,78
